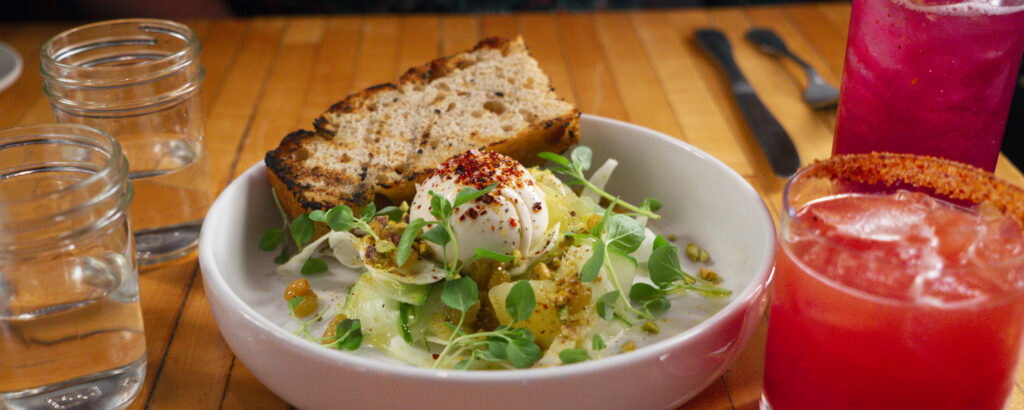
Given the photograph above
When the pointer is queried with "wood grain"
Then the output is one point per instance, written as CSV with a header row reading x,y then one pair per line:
x,y
266,77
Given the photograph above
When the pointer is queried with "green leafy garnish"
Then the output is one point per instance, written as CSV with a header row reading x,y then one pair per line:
x,y
349,333
667,274
569,356
442,233
393,213
520,301
271,239
459,294
513,345
625,233
579,161
313,265
408,236
293,303
622,234
301,230
593,265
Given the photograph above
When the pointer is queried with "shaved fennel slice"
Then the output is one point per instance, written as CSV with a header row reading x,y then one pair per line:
x,y
599,179
340,242
420,272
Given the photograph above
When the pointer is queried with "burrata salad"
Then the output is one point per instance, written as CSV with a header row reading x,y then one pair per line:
x,y
493,266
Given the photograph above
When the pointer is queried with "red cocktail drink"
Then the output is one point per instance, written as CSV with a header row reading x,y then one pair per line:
x,y
888,298
929,77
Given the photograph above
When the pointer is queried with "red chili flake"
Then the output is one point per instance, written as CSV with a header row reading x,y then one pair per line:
x,y
572,213
482,168
436,355
537,206
512,222
471,212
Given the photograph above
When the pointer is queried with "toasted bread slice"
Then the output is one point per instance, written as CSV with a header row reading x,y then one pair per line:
x,y
376,144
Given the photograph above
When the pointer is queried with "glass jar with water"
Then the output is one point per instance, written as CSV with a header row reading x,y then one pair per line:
x,y
140,80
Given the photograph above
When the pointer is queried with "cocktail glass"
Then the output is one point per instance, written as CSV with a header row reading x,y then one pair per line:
x,y
930,77
883,297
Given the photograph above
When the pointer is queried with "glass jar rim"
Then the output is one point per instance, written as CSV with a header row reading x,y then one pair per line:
x,y
115,162
51,64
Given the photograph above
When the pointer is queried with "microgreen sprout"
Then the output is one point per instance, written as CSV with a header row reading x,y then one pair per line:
x,y
578,162
349,333
301,230
667,274
442,232
505,344
303,329
668,278
616,233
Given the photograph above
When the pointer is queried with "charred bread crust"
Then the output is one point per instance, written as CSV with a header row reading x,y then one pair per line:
x,y
286,172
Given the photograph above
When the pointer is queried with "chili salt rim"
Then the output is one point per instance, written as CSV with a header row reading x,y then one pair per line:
x,y
948,178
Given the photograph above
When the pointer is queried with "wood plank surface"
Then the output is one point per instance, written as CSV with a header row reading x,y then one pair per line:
x,y
268,76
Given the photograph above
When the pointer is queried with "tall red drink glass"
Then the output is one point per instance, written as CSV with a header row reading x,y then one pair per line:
x,y
930,77
886,298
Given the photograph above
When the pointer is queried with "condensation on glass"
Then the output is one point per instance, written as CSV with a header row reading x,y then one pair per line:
x,y
140,80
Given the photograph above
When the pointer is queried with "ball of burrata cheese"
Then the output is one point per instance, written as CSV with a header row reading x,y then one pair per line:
x,y
512,217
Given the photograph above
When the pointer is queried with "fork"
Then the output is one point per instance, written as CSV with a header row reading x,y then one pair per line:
x,y
818,94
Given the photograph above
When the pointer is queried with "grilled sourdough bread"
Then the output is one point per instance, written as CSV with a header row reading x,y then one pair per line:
x,y
376,144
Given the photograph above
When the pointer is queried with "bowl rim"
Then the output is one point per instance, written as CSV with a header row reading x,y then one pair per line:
x,y
218,287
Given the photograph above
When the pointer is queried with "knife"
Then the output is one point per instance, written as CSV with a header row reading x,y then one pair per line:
x,y
774,140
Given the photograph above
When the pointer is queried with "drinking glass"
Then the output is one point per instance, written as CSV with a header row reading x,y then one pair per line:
x,y
884,297
71,331
930,77
140,80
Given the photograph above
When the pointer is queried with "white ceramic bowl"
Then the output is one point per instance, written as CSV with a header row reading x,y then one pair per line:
x,y
702,197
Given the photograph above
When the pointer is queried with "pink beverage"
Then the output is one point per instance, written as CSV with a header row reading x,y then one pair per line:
x,y
890,299
930,77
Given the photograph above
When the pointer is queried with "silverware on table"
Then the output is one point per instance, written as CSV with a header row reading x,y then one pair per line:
x,y
774,141
818,94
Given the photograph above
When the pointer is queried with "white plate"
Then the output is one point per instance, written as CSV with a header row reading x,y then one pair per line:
x,y
703,199
10,66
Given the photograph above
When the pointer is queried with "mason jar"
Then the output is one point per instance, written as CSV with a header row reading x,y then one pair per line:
x,y
71,332
140,80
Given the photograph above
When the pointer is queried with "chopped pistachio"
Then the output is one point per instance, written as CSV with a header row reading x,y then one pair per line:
x,y
709,275
693,252
703,256
651,327
385,246
517,258
671,237
541,272
628,347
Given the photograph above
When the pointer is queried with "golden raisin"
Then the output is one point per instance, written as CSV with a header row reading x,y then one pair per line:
x,y
329,333
300,288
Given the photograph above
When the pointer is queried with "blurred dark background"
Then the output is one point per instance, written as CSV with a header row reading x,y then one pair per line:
x,y
20,10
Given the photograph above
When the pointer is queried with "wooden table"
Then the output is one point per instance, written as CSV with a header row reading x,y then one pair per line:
x,y
268,76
